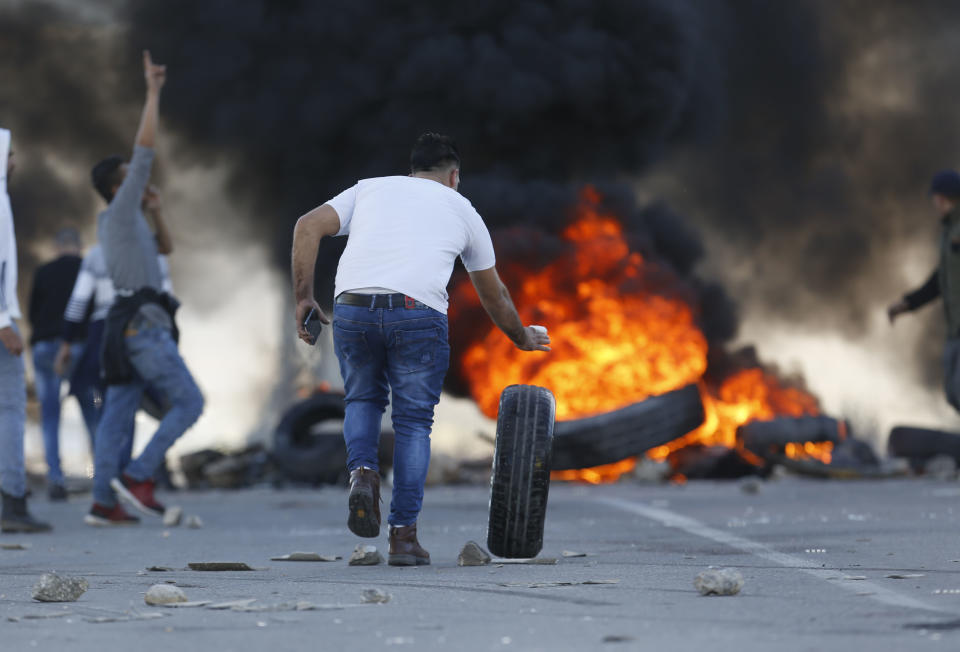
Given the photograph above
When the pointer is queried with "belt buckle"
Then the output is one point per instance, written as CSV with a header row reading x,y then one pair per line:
x,y
409,302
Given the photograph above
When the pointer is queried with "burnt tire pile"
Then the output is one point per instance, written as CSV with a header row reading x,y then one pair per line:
x,y
633,430
520,480
919,445
308,443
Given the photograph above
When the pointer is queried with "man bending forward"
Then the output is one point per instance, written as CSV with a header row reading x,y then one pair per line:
x,y
390,322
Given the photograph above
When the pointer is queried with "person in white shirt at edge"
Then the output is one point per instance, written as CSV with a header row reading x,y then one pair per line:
x,y
13,389
390,322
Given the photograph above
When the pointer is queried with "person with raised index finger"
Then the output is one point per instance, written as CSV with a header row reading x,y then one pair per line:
x,y
140,334
390,323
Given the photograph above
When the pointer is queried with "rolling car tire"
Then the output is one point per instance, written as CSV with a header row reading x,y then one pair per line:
x,y
520,480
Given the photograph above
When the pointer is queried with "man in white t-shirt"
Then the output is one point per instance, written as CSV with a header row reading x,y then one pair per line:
x,y
390,322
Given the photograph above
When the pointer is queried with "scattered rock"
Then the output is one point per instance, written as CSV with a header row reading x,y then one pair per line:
x,y
719,581
375,596
617,638
172,516
160,569
750,487
160,594
941,467
14,546
572,553
473,555
306,556
365,555
54,588
219,566
194,522
193,603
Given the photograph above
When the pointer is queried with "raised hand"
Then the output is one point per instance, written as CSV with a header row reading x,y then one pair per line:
x,y
155,74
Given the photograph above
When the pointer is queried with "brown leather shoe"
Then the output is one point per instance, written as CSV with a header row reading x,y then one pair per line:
x,y
405,550
364,519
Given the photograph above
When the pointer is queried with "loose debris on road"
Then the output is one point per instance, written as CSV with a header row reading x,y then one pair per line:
x,y
306,556
219,566
571,554
194,522
719,581
54,588
544,585
365,555
537,561
473,555
173,516
374,596
164,594
14,546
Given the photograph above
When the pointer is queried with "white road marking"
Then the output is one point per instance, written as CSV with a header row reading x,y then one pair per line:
x,y
671,519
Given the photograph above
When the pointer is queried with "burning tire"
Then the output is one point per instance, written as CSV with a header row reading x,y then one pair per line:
x,y
920,444
521,471
770,437
633,430
308,443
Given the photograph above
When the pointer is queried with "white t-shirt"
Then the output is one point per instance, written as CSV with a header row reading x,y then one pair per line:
x,y
405,234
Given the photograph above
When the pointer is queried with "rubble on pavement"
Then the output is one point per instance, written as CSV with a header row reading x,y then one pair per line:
x,y
164,594
473,555
365,555
719,581
54,588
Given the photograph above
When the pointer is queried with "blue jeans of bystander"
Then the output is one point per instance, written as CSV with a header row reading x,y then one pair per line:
x,y
157,362
13,416
48,384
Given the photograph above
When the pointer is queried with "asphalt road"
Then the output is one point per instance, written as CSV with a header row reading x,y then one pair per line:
x,y
817,558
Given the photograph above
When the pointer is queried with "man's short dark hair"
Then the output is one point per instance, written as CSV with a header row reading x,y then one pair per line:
x,y
434,152
106,175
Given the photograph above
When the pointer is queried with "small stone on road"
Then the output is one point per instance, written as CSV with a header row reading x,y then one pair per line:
x,y
374,596
54,588
365,555
160,594
473,555
719,581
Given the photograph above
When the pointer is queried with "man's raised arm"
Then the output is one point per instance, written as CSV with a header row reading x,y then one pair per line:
x,y
130,193
307,234
496,300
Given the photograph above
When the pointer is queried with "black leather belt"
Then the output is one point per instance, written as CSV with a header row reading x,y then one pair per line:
x,y
398,300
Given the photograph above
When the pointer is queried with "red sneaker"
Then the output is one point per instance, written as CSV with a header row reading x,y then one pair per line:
x,y
138,494
102,516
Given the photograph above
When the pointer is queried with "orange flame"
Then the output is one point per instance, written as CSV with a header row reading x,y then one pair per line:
x,y
614,346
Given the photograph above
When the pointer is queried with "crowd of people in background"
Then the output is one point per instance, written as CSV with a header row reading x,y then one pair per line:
x,y
104,325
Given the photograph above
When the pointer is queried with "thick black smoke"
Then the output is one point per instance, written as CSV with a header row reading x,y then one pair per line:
x,y
541,96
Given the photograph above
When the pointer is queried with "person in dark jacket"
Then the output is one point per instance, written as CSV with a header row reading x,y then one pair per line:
x,y
52,284
945,280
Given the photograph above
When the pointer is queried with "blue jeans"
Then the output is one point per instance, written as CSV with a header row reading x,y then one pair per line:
x,y
399,349
157,362
48,383
13,417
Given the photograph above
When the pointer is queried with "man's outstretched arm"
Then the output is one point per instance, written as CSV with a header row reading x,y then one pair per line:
x,y
496,300
130,193
307,234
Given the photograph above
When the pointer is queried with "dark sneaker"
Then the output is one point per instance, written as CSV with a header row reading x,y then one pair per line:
x,y
405,550
138,495
102,516
15,517
364,502
57,493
